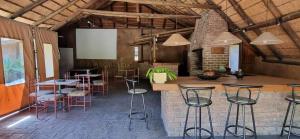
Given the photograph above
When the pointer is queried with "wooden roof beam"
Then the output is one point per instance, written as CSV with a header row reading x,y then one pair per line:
x,y
95,4
282,19
182,24
167,3
248,20
133,15
54,13
232,26
285,26
26,9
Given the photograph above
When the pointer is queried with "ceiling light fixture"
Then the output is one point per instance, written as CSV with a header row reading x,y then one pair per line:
x,y
266,38
226,38
176,39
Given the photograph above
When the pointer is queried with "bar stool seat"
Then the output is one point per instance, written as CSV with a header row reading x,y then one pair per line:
x,y
136,115
137,91
234,96
290,98
294,100
197,98
241,100
199,102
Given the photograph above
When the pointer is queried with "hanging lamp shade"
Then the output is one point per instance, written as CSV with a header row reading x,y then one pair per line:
x,y
266,38
176,39
226,38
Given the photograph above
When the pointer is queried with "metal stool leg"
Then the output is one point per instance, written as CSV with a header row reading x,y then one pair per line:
x,y
227,120
130,112
186,120
196,121
285,118
210,122
292,120
253,120
244,121
237,118
200,122
145,114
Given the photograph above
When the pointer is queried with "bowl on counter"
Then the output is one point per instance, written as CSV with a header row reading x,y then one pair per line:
x,y
209,75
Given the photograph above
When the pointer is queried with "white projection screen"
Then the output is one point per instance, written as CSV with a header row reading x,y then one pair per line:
x,y
96,43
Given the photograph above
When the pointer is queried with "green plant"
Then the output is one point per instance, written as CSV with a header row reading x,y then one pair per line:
x,y
170,74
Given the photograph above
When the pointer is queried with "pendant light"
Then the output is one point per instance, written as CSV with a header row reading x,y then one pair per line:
x,y
176,39
266,38
226,38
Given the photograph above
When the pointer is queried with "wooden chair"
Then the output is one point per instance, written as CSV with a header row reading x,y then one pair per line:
x,y
120,73
102,84
34,93
137,75
78,97
42,98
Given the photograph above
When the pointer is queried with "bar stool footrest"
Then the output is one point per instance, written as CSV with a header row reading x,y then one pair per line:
x,y
202,129
286,129
239,126
142,116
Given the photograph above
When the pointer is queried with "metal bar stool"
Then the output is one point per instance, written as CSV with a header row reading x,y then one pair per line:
x,y
294,100
242,96
195,97
136,91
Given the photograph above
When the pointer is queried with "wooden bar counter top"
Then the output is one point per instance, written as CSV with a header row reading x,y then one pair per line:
x,y
269,82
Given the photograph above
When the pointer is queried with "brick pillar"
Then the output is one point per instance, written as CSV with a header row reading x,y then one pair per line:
x,y
206,30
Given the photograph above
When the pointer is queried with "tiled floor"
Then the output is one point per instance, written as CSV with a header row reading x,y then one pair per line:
x,y
106,119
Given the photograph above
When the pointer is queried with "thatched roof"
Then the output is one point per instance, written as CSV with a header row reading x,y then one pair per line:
x,y
247,18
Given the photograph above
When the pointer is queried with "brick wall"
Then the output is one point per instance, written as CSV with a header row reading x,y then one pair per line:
x,y
206,30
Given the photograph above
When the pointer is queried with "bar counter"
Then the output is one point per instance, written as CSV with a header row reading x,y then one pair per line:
x,y
269,111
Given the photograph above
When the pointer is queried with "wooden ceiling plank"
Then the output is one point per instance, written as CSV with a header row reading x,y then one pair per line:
x,y
55,13
248,20
285,26
165,3
232,26
134,15
26,9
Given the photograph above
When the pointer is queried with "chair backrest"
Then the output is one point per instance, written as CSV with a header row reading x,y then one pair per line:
x,y
67,76
31,85
188,92
130,84
243,90
84,83
104,76
295,90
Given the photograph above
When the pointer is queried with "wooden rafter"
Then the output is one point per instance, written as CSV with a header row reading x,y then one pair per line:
x,y
27,8
95,4
55,13
165,3
248,20
133,15
124,22
285,26
232,26
271,22
156,10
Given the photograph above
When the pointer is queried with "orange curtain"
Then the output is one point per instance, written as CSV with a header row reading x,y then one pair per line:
x,y
15,97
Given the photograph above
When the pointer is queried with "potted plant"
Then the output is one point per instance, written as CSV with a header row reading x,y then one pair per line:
x,y
160,74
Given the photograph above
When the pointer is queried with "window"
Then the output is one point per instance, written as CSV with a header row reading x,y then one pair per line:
x,y
48,57
136,53
13,61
